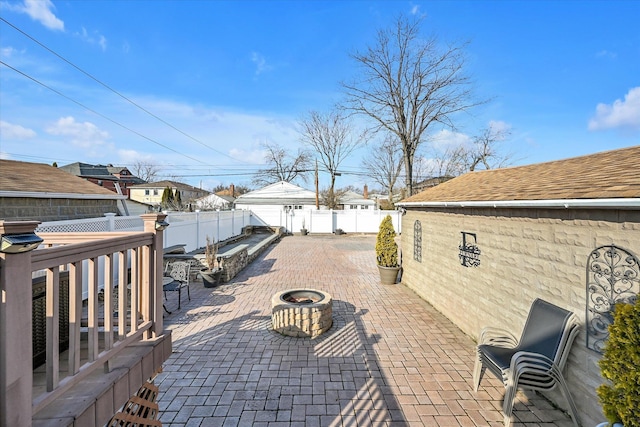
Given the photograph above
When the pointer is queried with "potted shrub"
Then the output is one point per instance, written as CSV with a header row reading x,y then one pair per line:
x,y
303,230
620,394
387,252
211,275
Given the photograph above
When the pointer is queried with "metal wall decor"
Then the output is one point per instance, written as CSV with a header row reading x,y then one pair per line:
x,y
417,241
613,276
469,252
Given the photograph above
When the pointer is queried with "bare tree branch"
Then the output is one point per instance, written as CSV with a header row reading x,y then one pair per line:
x,y
146,171
283,167
384,164
407,84
333,138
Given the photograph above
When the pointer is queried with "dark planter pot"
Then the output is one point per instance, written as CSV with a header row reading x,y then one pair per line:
x,y
211,279
388,275
303,231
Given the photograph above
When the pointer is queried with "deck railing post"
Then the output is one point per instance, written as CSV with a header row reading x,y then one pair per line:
x,y
16,350
152,275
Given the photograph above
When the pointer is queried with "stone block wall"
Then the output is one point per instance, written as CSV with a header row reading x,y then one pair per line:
x,y
53,209
524,254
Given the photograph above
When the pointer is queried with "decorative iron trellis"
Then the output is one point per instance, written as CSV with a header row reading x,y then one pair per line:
x,y
469,252
417,241
613,276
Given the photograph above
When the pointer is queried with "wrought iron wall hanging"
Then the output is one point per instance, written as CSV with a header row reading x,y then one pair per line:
x,y
613,276
417,241
469,252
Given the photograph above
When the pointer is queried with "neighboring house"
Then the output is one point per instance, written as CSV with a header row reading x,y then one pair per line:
x,y
351,200
151,193
114,178
135,208
481,247
214,202
281,196
281,203
36,191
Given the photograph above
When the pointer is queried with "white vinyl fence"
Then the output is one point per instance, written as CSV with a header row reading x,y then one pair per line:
x,y
325,221
185,228
192,228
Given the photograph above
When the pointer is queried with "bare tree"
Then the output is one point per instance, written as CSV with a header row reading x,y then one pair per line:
x,y
282,166
332,136
145,171
485,149
384,164
331,198
407,85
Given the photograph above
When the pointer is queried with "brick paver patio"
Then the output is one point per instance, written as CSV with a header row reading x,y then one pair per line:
x,y
389,360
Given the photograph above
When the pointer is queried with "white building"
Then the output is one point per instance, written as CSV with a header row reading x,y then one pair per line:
x,y
352,200
277,197
213,202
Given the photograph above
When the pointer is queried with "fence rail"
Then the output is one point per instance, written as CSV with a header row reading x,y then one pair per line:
x,y
192,228
127,265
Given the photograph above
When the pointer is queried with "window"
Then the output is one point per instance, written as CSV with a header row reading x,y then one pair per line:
x,y
155,192
146,192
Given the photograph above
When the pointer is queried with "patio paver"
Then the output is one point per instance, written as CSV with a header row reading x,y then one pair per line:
x,y
390,359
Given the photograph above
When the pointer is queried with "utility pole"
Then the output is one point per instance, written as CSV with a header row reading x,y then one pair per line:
x,y
317,196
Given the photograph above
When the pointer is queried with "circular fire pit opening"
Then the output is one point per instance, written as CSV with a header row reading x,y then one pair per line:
x,y
301,312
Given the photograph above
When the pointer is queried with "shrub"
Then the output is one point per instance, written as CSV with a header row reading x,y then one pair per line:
x,y
620,396
386,246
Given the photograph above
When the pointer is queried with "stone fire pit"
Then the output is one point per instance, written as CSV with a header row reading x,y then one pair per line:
x,y
301,312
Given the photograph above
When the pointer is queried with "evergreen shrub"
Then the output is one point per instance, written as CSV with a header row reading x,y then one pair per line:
x,y
620,365
386,246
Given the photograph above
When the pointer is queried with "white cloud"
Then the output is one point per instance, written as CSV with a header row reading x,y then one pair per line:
x,y
83,135
415,9
499,127
606,54
8,52
446,139
622,114
38,10
11,131
261,63
94,38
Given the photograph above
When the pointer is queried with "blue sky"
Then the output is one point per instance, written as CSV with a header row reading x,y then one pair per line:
x,y
225,77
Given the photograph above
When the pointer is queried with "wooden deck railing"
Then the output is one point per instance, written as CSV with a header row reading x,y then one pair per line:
x,y
120,272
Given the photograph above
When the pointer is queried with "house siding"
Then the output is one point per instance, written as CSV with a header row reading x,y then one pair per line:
x,y
54,209
525,254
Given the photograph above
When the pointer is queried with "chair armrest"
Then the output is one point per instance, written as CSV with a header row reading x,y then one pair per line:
x,y
498,337
525,362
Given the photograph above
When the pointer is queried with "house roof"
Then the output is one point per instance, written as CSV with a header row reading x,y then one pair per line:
x,y
351,197
170,184
212,200
279,193
107,173
24,179
601,176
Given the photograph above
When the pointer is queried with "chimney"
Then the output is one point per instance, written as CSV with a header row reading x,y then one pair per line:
x,y
366,192
232,190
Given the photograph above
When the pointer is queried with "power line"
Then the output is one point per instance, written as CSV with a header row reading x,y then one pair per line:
x,y
98,113
113,90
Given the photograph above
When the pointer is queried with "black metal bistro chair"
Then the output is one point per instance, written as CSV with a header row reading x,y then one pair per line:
x,y
535,361
179,272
